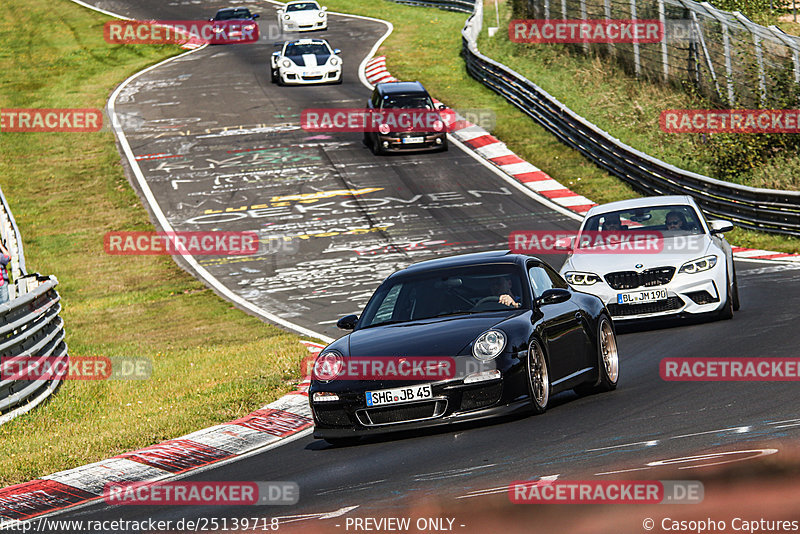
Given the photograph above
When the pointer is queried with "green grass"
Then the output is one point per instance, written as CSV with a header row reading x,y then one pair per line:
x,y
212,363
426,46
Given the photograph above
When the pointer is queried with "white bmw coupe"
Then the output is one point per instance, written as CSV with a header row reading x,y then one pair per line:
x,y
652,257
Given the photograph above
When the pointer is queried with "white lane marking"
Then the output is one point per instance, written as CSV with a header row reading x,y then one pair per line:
x,y
99,10
503,489
650,443
357,487
622,471
786,421
687,459
450,473
787,426
323,515
737,429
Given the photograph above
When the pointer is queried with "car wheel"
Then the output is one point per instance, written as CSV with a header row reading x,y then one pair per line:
x,y
376,147
444,145
608,360
538,378
735,293
727,310
280,80
273,75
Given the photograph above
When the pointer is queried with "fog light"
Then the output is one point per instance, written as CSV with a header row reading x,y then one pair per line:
x,y
483,376
386,144
323,396
438,140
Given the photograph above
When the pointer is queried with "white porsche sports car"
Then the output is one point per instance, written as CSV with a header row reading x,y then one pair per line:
x,y
652,257
302,17
306,61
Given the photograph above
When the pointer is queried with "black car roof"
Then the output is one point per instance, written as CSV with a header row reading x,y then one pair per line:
x,y
393,88
463,260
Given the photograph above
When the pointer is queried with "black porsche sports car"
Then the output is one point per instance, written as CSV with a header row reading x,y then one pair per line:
x,y
490,333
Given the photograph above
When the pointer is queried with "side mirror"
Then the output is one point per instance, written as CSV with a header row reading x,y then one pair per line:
x,y
565,244
255,16
276,54
441,106
324,8
211,20
720,227
348,322
337,51
553,296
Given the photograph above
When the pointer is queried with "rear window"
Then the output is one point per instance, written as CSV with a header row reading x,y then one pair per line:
x,y
409,101
232,14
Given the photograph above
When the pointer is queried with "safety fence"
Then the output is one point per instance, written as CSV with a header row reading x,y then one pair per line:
x,y
30,327
760,209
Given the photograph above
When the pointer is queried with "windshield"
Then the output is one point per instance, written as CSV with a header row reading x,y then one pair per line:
x,y
445,292
302,49
407,102
304,6
669,221
232,14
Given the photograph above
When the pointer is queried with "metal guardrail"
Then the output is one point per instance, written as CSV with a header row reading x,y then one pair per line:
x,y
29,325
767,210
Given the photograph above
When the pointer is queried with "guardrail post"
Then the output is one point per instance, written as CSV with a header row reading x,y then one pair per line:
x,y
583,18
664,54
636,59
607,10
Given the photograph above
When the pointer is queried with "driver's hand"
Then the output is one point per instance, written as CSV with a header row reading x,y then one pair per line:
x,y
507,300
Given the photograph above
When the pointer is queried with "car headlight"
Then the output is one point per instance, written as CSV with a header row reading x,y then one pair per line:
x,y
217,29
334,61
438,126
699,265
322,14
383,128
328,366
287,17
575,278
286,63
489,345
250,27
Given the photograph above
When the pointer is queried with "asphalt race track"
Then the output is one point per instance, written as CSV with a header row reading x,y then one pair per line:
x,y
211,133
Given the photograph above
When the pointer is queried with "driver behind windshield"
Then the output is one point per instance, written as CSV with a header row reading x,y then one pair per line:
x,y
502,287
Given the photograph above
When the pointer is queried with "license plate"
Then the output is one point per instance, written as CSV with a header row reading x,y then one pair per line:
x,y
311,73
409,140
399,395
652,295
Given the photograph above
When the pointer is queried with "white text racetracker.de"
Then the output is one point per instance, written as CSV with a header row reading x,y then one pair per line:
x,y
400,524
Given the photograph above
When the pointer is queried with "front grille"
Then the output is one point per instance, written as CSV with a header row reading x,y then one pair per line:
x,y
401,414
312,77
702,297
333,414
621,310
657,276
480,397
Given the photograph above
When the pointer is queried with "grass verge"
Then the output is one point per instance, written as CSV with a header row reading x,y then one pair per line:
x,y
212,363
426,46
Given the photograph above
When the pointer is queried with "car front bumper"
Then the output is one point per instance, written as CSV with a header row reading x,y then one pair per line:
x,y
393,142
452,402
308,76
294,26
691,294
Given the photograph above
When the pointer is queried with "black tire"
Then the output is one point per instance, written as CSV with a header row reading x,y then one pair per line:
x,y
538,378
444,145
376,147
607,360
727,311
736,303
273,75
